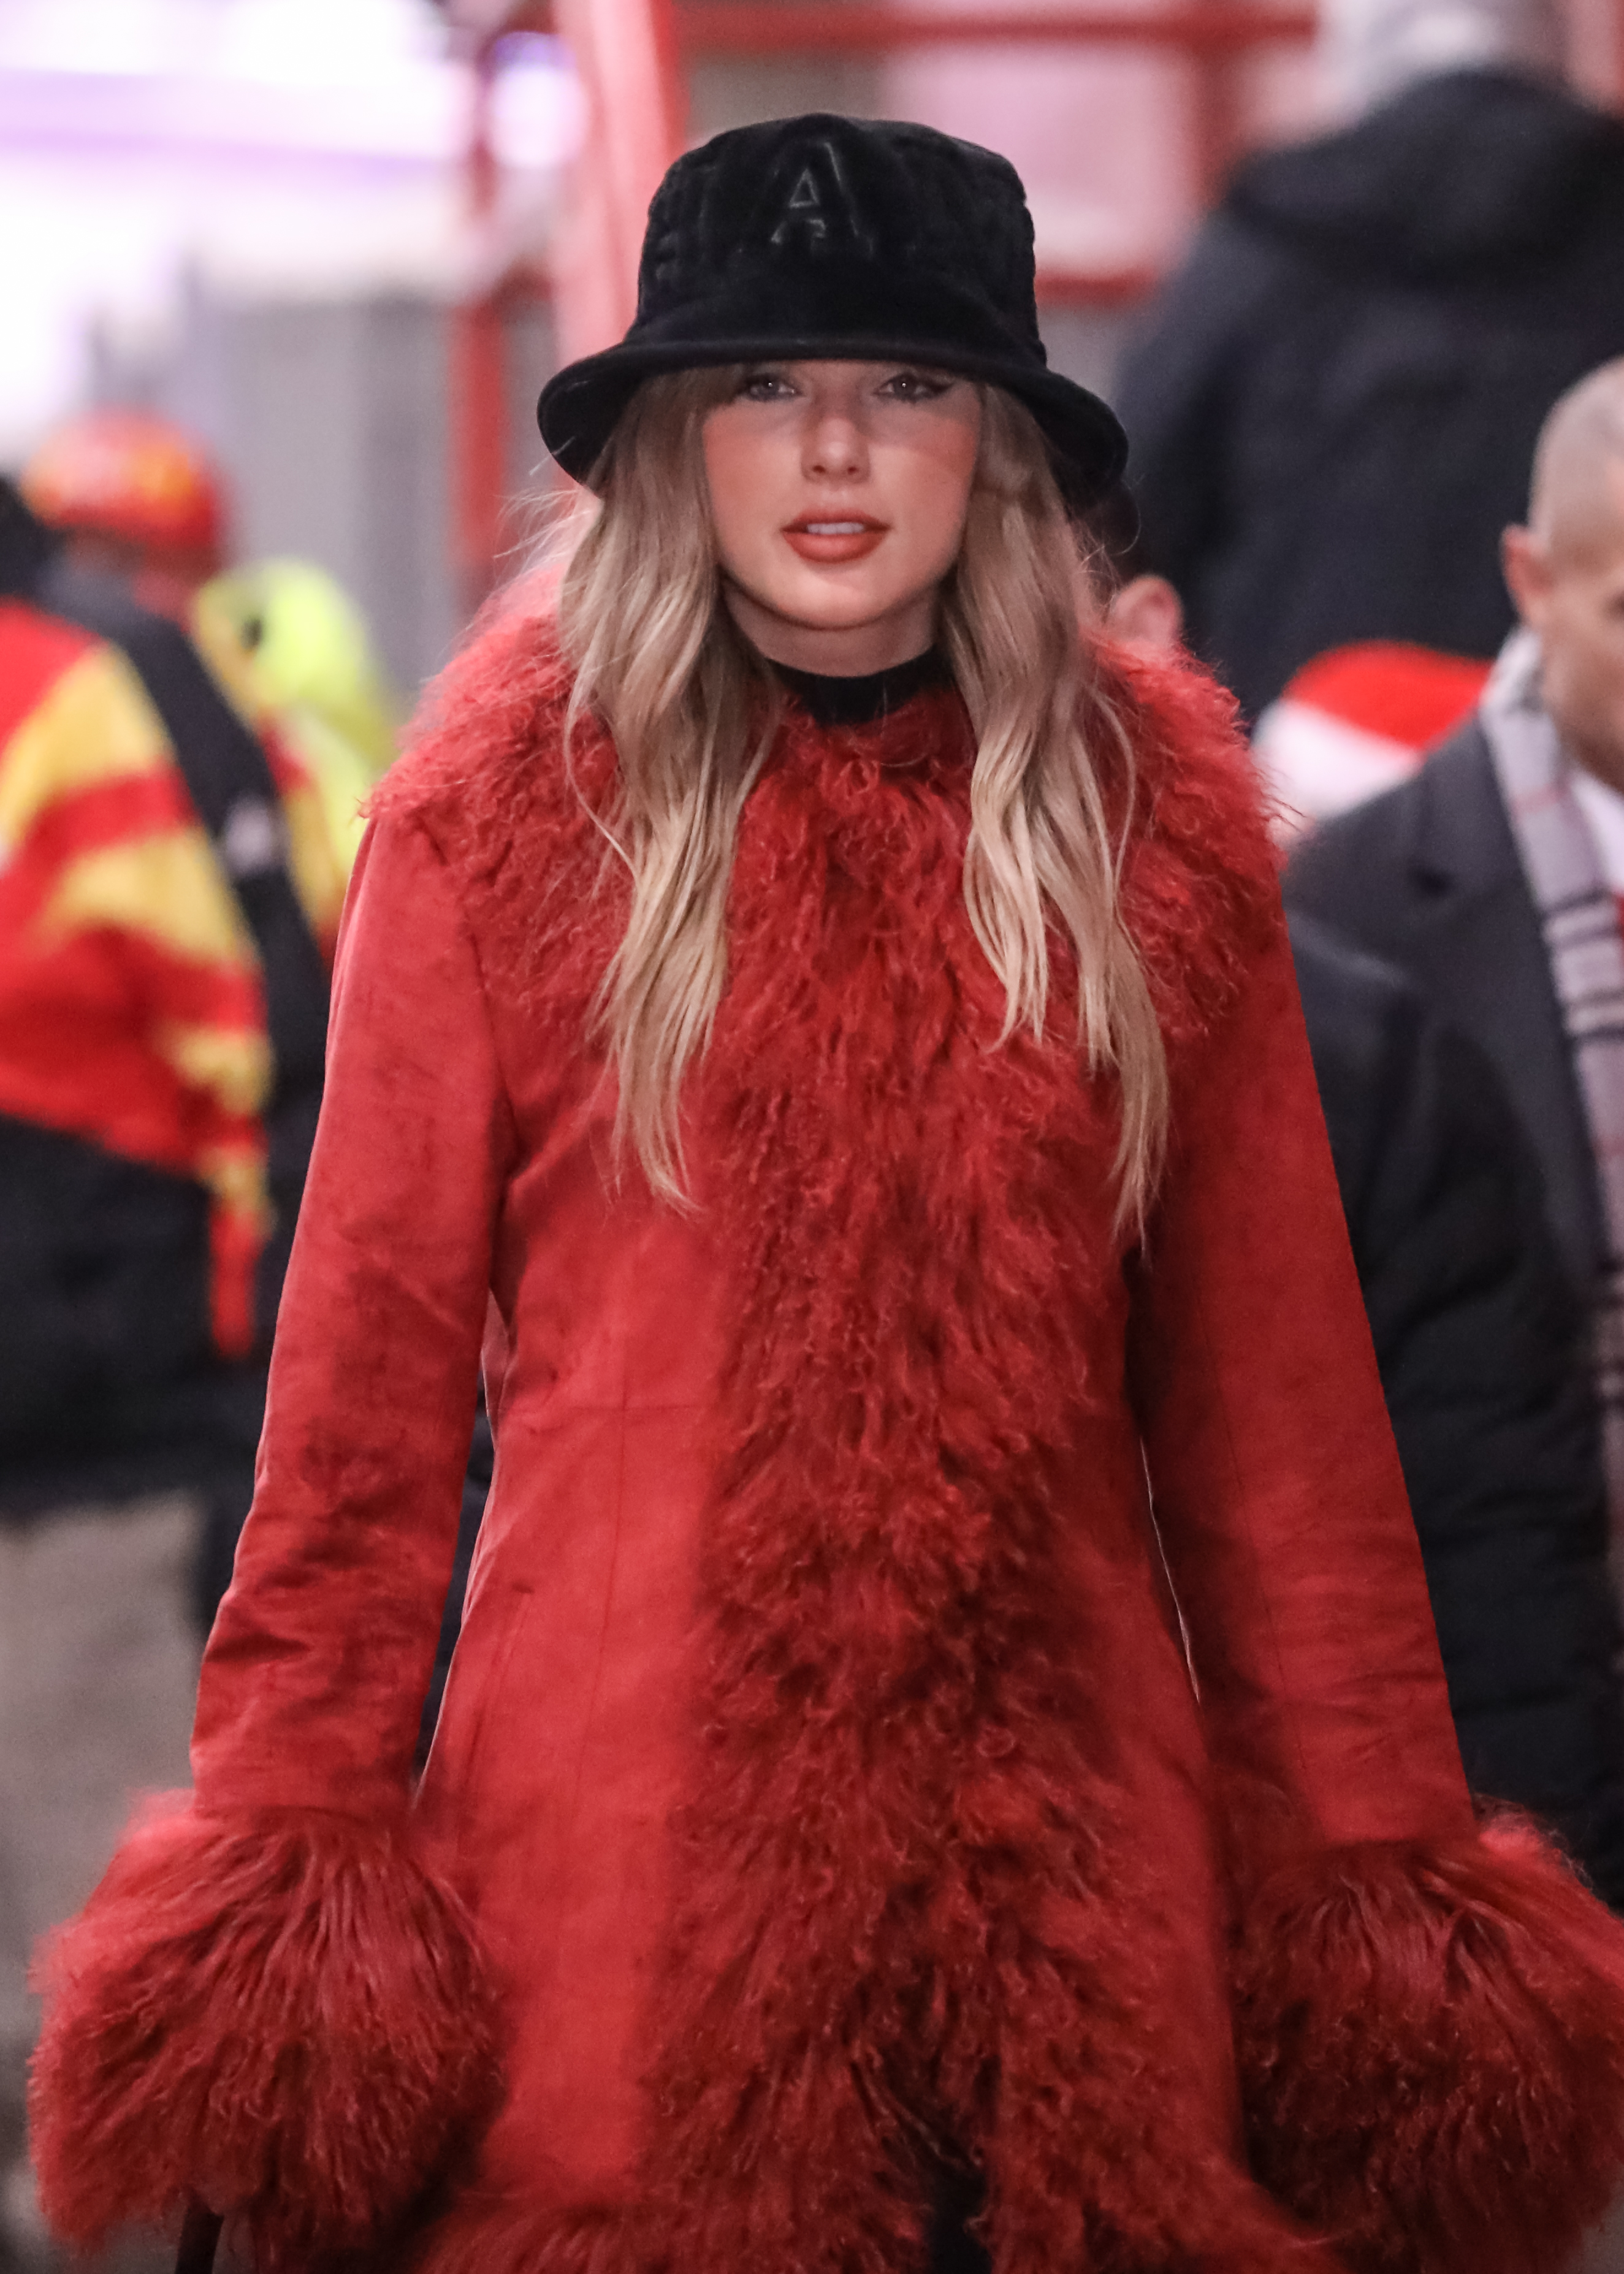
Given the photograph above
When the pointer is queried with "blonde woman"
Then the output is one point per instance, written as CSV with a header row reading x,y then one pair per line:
x,y
946,1763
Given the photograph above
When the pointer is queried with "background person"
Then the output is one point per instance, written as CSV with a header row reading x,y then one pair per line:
x,y
1333,409
134,498
1480,1344
136,1075
139,512
1493,878
312,665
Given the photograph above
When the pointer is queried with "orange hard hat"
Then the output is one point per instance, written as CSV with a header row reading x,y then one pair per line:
x,y
127,474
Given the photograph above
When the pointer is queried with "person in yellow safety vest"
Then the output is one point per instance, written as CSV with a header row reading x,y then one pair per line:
x,y
311,663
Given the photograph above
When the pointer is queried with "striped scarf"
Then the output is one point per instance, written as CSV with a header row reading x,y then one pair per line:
x,y
1581,922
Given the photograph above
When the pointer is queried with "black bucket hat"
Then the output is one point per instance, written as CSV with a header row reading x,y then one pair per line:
x,y
818,237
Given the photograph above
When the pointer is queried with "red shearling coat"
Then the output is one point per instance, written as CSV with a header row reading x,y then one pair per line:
x,y
944,1675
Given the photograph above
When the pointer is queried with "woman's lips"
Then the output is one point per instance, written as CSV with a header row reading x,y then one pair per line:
x,y
832,537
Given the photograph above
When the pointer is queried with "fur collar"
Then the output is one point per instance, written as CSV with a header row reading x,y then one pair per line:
x,y
1200,891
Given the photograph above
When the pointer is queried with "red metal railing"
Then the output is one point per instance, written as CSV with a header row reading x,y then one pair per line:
x,y
760,27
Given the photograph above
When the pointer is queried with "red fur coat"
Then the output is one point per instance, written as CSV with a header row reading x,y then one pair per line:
x,y
823,1791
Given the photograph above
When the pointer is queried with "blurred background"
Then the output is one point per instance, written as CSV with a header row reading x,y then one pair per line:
x,y
344,241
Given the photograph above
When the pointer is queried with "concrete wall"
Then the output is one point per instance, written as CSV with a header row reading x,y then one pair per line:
x,y
331,418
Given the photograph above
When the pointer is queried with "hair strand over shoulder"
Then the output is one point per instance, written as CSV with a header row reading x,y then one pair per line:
x,y
691,709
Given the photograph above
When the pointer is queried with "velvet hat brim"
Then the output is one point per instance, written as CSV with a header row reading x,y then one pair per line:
x,y
825,238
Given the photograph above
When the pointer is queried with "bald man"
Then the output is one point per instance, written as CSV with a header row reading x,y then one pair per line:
x,y
1495,878
1435,876
1565,572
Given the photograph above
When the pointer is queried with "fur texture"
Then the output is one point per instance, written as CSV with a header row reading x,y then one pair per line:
x,y
906,1938
910,1933
494,2234
1433,2050
909,1937
484,773
282,2013
914,1933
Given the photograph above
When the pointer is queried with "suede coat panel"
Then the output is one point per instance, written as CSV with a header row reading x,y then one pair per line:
x,y
822,1766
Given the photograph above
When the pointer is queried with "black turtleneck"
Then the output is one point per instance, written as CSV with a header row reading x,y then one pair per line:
x,y
863,702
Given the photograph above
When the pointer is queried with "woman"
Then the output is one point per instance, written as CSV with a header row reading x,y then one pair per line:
x,y
838,1021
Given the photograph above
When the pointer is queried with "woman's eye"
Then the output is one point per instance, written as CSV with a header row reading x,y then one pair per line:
x,y
915,385
764,387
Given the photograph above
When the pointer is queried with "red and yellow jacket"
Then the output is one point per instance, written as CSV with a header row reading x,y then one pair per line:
x,y
131,1013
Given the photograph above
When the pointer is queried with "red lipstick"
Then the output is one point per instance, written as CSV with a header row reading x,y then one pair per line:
x,y
831,537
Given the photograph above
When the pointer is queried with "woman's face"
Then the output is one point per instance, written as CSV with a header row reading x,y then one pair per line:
x,y
838,493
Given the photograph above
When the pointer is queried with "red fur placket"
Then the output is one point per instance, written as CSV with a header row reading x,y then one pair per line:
x,y
910,1935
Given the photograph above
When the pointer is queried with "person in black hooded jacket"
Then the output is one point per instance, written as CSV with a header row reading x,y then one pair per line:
x,y
1475,1333
1333,407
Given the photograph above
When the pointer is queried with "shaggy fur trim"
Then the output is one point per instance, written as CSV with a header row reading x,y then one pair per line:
x,y
1200,886
485,772
1431,2042
911,1928
908,1932
281,2012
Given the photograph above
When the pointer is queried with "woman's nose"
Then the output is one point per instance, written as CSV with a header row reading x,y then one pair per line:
x,y
835,445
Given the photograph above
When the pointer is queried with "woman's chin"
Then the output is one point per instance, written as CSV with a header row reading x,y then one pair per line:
x,y
834,630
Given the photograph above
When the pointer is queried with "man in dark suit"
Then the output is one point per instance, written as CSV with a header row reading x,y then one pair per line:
x,y
1434,876
1428,879
1494,879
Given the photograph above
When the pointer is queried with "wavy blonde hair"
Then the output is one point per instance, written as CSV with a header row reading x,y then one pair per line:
x,y
691,709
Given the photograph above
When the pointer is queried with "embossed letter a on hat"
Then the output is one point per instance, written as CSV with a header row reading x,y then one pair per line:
x,y
809,205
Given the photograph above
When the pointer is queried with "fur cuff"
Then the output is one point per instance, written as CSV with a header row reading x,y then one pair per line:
x,y
1431,2048
278,2011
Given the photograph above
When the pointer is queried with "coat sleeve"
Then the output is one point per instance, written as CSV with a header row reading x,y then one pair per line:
x,y
275,2001
1429,2013
321,1655
1276,1484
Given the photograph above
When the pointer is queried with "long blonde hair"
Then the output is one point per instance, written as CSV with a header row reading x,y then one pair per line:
x,y
691,709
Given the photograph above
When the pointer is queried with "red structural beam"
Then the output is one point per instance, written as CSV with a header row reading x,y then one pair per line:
x,y
805,27
479,381
759,28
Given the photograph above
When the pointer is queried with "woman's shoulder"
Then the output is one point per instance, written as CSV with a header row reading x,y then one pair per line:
x,y
1201,890
485,767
